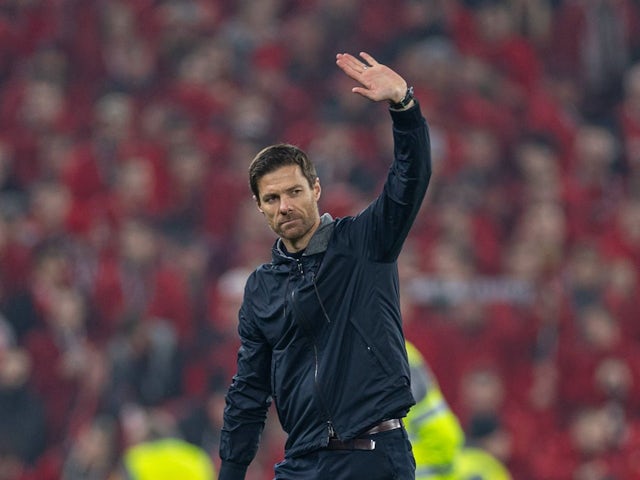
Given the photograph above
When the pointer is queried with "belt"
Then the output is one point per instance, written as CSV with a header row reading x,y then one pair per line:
x,y
384,426
355,444
361,443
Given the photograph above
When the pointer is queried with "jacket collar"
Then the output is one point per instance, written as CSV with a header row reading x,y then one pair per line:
x,y
318,243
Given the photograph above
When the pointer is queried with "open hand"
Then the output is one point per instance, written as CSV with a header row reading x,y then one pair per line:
x,y
378,82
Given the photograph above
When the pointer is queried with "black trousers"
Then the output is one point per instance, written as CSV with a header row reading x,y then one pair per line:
x,y
392,459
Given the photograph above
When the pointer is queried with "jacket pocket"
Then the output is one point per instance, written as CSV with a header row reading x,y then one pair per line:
x,y
372,348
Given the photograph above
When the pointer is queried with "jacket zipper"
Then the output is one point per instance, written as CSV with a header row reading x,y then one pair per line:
x,y
330,429
315,288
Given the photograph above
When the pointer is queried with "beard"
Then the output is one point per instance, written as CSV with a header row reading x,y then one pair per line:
x,y
295,227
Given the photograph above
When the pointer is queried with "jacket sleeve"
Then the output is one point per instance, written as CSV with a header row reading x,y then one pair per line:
x,y
384,225
247,401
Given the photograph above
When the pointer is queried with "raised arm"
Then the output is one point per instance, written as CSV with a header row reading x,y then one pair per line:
x,y
383,226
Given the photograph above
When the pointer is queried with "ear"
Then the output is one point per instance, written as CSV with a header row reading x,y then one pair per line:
x,y
317,189
258,204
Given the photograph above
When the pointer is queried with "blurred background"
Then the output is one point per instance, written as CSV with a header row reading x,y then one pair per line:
x,y
127,228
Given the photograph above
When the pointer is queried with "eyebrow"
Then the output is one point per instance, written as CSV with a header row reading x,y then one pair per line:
x,y
286,190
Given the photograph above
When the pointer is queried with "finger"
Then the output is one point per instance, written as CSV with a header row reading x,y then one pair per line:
x,y
369,59
354,73
363,91
349,61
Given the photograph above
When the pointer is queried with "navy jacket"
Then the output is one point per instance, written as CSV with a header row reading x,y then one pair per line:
x,y
322,335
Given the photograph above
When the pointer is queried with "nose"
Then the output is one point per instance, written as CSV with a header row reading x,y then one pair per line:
x,y
284,206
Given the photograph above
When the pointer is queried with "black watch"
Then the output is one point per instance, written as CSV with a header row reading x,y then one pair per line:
x,y
402,104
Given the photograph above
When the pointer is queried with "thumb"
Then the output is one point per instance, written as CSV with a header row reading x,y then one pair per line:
x,y
365,92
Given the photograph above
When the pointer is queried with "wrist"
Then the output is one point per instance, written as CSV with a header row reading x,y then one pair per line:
x,y
406,101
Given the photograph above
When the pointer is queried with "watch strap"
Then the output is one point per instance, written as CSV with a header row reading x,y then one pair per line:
x,y
402,104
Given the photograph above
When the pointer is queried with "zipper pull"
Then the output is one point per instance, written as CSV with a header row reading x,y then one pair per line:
x,y
332,432
299,262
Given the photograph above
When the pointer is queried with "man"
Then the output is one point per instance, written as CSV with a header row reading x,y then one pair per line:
x,y
320,326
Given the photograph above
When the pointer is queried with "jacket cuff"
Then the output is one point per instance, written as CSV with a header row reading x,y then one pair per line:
x,y
407,119
232,471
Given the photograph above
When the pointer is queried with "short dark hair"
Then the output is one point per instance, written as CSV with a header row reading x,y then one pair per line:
x,y
273,157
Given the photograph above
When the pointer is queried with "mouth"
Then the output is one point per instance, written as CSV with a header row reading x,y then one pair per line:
x,y
288,221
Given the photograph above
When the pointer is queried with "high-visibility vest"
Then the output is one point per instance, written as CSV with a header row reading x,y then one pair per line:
x,y
434,431
477,464
168,459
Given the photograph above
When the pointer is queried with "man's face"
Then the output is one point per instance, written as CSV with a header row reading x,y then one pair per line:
x,y
290,205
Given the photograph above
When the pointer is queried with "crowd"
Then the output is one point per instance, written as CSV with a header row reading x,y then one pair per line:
x,y
127,228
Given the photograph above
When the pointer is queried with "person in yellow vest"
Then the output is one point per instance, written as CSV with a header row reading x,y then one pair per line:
x,y
436,435
474,463
167,459
154,450
434,430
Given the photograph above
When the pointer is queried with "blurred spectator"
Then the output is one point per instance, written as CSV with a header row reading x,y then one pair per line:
x,y
433,66
495,421
202,421
543,227
92,454
129,59
191,177
596,445
195,259
492,35
134,190
153,450
15,257
598,49
535,21
584,276
482,407
146,364
601,360
9,186
337,155
214,352
92,164
418,20
593,186
69,370
308,41
628,118
22,419
50,207
624,238
137,281
539,169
